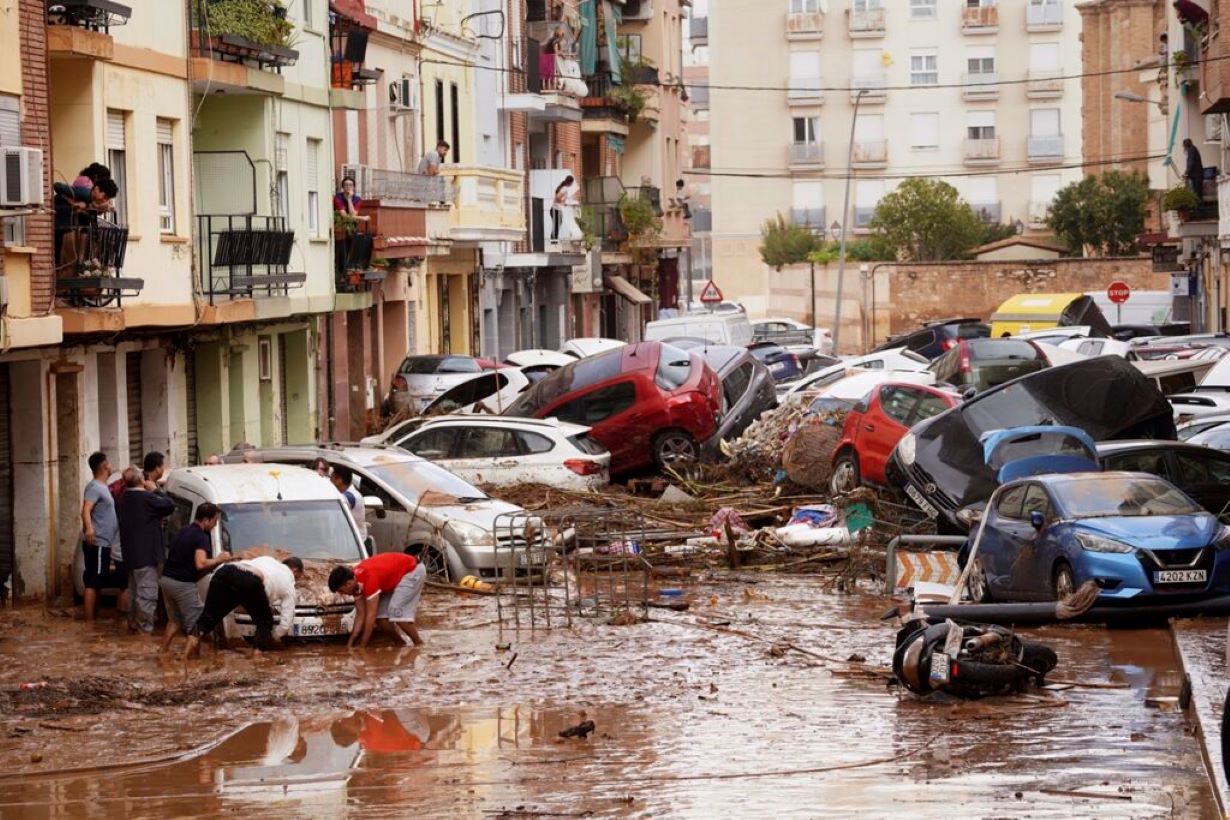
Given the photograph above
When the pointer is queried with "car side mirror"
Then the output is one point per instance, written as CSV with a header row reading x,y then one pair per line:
x,y
372,503
1037,519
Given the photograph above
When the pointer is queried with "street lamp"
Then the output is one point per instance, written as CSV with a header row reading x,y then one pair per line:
x,y
1133,97
845,220
835,230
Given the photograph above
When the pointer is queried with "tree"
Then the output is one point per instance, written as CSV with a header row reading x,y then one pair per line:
x,y
1101,215
925,220
784,243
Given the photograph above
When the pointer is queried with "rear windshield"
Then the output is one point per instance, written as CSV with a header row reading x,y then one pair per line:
x,y
1002,350
1039,444
312,530
674,367
420,365
469,392
973,331
575,376
587,445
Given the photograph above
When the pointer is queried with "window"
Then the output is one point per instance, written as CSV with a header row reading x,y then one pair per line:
x,y
804,6
868,63
869,128
922,9
867,195
10,134
1044,58
897,403
1010,501
923,68
806,129
488,442
924,130
1213,125
166,176
599,405
980,60
440,112
308,16
1044,122
1202,468
117,161
980,125
1036,500
454,98
808,203
929,405
312,177
736,384
629,46
1043,188
981,191
281,165
868,5
457,364
804,66
432,444
534,443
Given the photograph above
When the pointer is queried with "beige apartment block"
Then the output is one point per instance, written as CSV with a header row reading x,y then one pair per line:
x,y
974,93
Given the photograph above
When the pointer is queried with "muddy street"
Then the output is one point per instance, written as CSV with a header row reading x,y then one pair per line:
x,y
690,720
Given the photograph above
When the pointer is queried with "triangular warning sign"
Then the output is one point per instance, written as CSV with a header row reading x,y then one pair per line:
x,y
710,294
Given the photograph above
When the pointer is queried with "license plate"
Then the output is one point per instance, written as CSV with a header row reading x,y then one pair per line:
x,y
1180,576
307,630
923,504
530,558
939,667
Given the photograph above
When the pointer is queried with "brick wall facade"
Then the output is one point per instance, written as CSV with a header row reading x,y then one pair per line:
x,y
35,132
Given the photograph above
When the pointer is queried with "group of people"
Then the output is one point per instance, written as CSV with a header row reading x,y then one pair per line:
x,y
78,205
123,545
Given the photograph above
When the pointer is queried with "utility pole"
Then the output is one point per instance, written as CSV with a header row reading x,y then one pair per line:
x,y
845,227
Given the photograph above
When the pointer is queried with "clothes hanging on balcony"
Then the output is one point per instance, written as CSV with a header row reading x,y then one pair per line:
x,y
613,17
589,37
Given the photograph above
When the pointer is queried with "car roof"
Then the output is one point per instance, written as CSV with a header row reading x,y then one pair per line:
x,y
563,427
239,483
1125,445
1067,478
720,356
359,455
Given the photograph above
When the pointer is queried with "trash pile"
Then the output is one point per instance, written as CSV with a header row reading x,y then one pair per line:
x,y
788,442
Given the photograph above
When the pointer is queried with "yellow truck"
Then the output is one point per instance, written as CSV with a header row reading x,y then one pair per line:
x,y
1040,311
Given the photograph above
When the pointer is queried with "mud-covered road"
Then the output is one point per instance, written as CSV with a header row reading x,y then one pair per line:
x,y
690,721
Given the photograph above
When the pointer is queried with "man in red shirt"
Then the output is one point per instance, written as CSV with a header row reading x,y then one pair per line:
x,y
386,589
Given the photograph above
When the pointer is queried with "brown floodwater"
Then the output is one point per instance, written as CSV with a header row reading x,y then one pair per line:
x,y
689,721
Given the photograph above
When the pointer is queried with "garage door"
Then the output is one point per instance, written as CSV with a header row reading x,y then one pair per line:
x,y
194,450
283,401
6,480
132,367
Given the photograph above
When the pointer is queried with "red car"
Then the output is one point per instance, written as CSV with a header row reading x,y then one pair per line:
x,y
876,424
646,403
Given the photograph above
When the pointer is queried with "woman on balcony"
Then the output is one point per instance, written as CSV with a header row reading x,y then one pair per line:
x,y
564,204
546,60
346,218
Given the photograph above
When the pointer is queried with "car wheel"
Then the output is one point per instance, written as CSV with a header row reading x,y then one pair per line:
x,y
1064,582
846,477
977,586
434,560
674,447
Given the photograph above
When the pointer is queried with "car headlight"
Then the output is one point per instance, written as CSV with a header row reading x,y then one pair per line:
x,y
471,535
1096,543
906,448
1221,541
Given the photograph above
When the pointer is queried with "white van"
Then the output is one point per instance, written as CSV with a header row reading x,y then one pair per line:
x,y
732,329
284,508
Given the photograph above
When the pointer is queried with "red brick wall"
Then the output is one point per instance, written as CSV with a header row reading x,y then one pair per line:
x,y
35,132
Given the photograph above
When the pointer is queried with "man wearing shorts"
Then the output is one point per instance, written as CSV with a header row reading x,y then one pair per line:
x,y
100,532
188,560
386,589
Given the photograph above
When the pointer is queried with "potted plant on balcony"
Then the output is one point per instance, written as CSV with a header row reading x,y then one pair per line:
x,y
262,22
631,99
1179,203
640,221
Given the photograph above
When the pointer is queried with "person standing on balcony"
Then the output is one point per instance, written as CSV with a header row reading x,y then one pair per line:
x,y
347,202
1194,170
346,220
429,165
546,59
558,203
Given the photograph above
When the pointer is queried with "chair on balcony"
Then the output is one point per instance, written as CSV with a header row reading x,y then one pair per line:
x,y
88,261
242,248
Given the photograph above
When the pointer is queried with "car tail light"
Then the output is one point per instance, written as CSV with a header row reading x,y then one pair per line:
x,y
583,466
795,360
399,383
948,344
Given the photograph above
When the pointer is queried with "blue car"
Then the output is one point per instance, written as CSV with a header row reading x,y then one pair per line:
x,y
783,365
1138,536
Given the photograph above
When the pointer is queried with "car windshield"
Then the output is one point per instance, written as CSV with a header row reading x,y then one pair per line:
x,y
1001,349
1114,496
312,530
421,482
674,366
420,365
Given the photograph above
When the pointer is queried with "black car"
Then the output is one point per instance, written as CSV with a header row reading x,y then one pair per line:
x,y
783,364
934,338
939,463
1201,472
748,389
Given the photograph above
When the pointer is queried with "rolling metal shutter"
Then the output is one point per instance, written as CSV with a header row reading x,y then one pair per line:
x,y
283,400
194,450
132,367
7,543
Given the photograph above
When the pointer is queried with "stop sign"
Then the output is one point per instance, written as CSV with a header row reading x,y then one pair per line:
x,y
1118,292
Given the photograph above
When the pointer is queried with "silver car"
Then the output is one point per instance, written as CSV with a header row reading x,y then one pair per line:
x,y
420,379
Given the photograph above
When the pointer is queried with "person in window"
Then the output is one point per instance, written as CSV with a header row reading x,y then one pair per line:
x,y
563,212
1194,169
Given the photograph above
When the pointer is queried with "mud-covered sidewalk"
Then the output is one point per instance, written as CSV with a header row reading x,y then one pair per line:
x,y
766,698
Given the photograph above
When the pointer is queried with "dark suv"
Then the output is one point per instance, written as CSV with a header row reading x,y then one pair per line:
x,y
980,364
934,338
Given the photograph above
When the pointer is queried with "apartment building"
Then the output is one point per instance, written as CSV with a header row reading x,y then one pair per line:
x,y
699,189
971,91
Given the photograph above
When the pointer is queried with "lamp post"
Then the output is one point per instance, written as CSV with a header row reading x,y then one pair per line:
x,y
845,221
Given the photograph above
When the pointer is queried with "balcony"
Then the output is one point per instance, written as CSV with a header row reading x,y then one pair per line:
x,y
808,217
1047,17
404,231
805,155
866,24
354,255
349,30
487,203
1045,149
869,154
871,85
551,97
1044,85
988,212
241,257
543,183
89,262
981,85
804,25
979,19
982,151
222,62
601,197
805,91
602,109
401,187
698,31
82,28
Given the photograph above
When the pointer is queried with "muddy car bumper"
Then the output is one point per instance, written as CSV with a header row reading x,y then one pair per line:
x,y
336,622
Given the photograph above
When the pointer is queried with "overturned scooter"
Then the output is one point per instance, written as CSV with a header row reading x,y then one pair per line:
x,y
967,660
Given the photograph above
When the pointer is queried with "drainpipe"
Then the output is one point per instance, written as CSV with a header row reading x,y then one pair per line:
x,y
53,511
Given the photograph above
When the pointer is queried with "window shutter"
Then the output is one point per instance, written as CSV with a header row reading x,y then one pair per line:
x,y
10,121
115,130
164,132
313,165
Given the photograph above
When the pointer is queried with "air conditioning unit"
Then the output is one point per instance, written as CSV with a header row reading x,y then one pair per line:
x,y
21,180
404,95
362,175
638,10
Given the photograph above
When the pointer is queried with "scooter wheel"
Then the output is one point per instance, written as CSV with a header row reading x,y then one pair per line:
x,y
1041,659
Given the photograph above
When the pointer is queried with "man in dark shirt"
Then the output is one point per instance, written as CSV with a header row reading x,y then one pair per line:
x,y
1194,169
188,560
140,511
75,208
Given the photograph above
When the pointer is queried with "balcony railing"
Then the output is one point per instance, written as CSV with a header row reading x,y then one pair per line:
x,y
234,48
804,25
867,23
1047,17
1044,84
980,19
244,256
982,151
94,15
352,256
487,200
1047,148
601,196
698,30
89,260
988,212
348,52
872,85
650,193
402,186
806,153
808,217
980,85
870,152
805,91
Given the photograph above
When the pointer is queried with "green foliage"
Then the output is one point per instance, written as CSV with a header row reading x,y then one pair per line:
x,y
261,21
638,217
344,222
997,232
631,99
859,250
1101,215
784,243
585,221
1180,198
925,220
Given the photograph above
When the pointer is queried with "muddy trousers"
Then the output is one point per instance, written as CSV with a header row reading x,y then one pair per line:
x,y
230,588
142,598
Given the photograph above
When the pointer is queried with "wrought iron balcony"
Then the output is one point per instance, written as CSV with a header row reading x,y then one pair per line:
x,y
89,259
244,256
94,15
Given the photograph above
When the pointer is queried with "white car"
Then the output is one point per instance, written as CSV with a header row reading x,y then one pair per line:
x,y
581,348
502,450
853,384
897,358
775,328
489,392
1055,335
1089,346
1190,405
537,363
420,379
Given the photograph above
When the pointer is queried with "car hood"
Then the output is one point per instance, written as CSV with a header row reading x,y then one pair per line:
x,y
1154,532
479,513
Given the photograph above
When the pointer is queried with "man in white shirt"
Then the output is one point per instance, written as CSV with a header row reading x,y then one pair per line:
x,y
258,585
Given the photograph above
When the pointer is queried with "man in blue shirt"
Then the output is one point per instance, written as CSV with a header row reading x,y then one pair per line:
x,y
99,532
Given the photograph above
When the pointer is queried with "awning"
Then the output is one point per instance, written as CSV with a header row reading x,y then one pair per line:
x,y
627,290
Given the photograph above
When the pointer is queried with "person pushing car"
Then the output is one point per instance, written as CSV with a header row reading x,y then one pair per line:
x,y
386,589
258,585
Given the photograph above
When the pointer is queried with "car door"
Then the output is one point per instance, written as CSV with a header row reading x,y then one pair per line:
x,y
617,421
1205,476
883,425
486,452
1031,569
388,527
998,550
